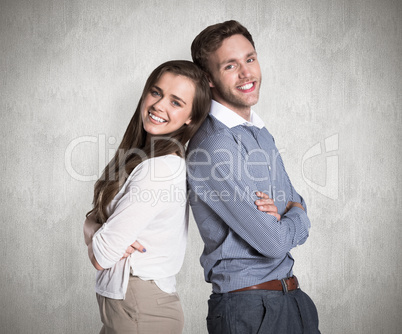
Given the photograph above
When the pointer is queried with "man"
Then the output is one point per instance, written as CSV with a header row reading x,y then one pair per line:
x,y
246,209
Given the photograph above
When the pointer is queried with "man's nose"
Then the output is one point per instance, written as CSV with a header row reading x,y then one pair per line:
x,y
244,71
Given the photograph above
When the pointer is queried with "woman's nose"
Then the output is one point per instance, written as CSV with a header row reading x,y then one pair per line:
x,y
160,104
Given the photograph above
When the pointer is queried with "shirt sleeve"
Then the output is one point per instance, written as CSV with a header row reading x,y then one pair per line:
x,y
301,215
217,176
133,212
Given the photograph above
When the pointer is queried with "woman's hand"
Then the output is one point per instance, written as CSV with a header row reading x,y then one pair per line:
x,y
132,248
266,204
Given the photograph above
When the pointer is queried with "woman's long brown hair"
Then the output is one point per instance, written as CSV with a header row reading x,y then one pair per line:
x,y
134,147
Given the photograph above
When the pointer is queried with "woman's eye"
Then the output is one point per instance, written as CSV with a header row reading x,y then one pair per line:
x,y
155,93
176,104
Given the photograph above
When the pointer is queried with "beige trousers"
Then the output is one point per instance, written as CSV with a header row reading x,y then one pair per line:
x,y
146,310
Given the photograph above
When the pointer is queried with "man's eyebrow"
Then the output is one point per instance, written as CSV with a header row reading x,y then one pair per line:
x,y
252,53
233,60
227,61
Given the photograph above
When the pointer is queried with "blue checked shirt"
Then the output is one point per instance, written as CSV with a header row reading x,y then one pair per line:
x,y
229,160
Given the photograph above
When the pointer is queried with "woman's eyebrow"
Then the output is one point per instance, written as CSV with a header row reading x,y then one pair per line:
x,y
157,88
178,98
172,95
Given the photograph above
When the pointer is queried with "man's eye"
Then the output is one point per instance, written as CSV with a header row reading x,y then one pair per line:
x,y
250,60
229,67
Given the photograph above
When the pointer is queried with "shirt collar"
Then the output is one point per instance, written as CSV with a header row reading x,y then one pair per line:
x,y
231,119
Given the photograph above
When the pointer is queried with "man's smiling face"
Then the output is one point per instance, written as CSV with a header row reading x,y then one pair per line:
x,y
235,74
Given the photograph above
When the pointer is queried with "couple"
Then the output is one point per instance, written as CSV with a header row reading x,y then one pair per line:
x,y
247,211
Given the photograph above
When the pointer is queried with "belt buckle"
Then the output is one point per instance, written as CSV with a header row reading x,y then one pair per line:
x,y
284,285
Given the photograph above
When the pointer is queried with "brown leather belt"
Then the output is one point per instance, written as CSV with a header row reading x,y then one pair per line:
x,y
286,284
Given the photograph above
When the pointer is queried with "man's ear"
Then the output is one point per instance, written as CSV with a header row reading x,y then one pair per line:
x,y
211,84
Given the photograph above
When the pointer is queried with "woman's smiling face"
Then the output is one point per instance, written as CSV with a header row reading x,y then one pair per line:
x,y
168,104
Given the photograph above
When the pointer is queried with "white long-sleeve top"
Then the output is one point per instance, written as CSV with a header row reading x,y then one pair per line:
x,y
152,208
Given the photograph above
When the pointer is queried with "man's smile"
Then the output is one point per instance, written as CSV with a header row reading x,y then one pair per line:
x,y
247,87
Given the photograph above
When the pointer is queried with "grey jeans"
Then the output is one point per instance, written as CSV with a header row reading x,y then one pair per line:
x,y
262,312
145,310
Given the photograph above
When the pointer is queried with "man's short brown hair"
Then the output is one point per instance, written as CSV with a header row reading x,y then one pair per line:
x,y
211,38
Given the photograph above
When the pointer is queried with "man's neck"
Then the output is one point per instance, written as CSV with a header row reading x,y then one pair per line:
x,y
242,112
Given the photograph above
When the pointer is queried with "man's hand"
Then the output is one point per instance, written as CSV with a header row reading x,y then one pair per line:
x,y
293,204
266,204
132,248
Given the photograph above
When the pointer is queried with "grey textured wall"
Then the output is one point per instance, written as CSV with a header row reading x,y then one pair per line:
x,y
71,75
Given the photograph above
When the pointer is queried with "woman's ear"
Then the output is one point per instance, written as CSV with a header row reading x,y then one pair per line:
x,y
188,121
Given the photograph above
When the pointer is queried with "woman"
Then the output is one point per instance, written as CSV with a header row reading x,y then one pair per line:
x,y
141,196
